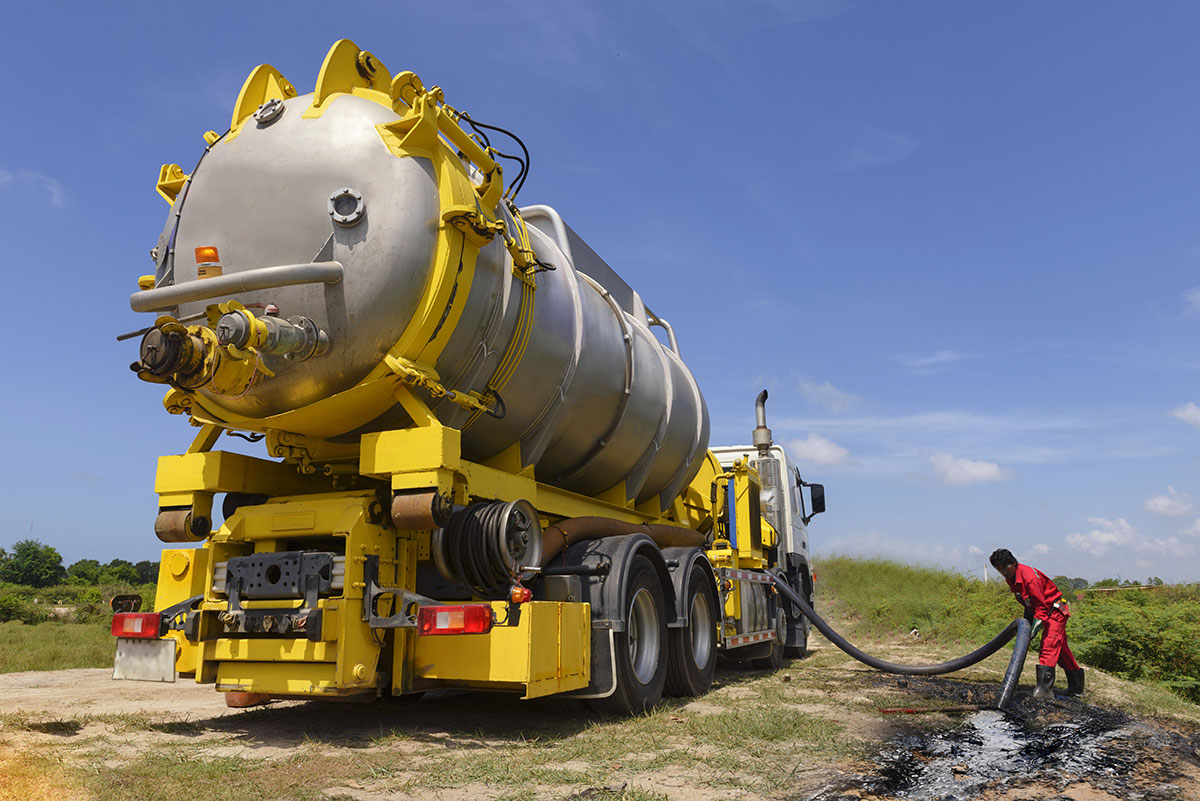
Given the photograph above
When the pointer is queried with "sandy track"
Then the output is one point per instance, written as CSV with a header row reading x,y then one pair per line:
x,y
92,691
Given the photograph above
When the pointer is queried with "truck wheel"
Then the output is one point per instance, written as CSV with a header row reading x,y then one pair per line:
x,y
693,648
775,660
641,650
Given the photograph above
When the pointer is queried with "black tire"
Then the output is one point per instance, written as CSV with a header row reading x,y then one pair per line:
x,y
693,648
641,650
774,660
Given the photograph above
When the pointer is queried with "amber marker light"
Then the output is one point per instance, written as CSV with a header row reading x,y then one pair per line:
x,y
208,262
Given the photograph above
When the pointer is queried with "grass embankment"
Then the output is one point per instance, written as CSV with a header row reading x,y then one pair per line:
x,y
54,646
1151,636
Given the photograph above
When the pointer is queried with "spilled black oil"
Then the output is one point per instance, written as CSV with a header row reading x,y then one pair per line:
x,y
991,754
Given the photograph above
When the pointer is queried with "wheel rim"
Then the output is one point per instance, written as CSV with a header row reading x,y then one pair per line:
x,y
701,622
643,635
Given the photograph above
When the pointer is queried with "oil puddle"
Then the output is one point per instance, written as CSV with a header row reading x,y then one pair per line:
x,y
1095,753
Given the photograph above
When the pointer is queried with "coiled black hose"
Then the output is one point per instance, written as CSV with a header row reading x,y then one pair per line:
x,y
487,542
978,655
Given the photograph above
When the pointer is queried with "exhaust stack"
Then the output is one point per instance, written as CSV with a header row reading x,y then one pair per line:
x,y
762,434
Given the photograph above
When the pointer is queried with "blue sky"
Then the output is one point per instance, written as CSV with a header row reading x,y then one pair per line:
x,y
958,242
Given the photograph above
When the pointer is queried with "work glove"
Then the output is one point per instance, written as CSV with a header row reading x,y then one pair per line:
x,y
1029,615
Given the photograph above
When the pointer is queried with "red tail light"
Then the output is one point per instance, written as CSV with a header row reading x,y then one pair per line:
x,y
136,624
457,619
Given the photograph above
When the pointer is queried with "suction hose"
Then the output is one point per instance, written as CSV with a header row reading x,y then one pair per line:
x,y
1019,628
1016,662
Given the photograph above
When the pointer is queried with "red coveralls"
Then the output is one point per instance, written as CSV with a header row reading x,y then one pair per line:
x,y
1037,593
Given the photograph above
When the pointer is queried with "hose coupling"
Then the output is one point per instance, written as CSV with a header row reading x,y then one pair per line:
x,y
297,338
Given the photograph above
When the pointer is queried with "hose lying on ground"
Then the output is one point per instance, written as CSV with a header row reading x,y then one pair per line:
x,y
1019,628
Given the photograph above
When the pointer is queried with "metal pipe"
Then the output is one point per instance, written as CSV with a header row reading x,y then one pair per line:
x,y
561,535
168,297
762,434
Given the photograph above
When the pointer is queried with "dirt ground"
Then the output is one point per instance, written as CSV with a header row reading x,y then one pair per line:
x,y
76,734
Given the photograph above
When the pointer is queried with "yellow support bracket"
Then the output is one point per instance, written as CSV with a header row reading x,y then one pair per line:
x,y
171,179
422,375
264,83
477,228
348,69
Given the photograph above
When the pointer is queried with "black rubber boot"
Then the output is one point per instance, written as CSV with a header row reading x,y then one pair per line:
x,y
1045,682
1075,682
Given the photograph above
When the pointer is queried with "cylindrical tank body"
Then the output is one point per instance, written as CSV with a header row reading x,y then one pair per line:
x,y
590,394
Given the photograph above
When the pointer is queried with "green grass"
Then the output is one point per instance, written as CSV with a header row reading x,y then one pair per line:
x,y
882,597
54,646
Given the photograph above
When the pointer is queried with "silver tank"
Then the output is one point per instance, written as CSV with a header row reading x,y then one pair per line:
x,y
596,398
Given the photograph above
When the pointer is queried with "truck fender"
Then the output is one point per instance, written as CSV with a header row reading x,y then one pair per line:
x,y
799,575
605,593
679,562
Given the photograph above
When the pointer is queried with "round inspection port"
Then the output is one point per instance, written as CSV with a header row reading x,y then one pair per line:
x,y
274,574
346,207
268,112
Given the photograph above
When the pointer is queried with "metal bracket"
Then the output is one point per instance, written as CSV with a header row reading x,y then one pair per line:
x,y
290,574
406,602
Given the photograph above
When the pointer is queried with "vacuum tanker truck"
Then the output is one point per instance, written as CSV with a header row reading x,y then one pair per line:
x,y
487,464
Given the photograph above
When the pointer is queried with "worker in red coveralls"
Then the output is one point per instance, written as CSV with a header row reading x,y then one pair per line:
x,y
1042,600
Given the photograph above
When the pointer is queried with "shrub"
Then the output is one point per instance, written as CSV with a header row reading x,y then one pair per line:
x,y
15,608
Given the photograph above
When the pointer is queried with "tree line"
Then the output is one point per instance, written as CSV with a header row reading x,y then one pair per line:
x,y
35,564
1065,584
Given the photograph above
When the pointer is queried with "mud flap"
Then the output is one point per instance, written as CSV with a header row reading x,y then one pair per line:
x,y
145,660
603,665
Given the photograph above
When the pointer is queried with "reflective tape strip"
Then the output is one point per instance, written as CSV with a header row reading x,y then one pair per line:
x,y
745,575
745,639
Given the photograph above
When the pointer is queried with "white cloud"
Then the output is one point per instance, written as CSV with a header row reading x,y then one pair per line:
x,y
933,363
1192,296
974,550
1109,533
957,471
818,450
36,182
1188,413
1119,534
879,147
1173,504
827,395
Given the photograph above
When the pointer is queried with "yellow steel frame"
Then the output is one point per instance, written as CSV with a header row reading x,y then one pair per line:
x,y
747,552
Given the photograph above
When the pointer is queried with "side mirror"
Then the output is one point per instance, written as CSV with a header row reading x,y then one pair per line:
x,y
818,498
